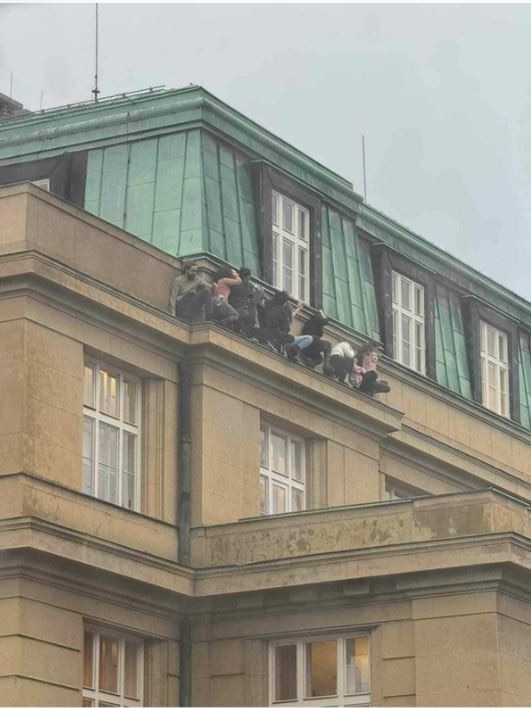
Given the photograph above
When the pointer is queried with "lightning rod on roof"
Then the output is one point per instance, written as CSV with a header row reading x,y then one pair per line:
x,y
96,90
364,173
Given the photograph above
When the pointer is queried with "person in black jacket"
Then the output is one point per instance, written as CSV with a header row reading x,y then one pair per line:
x,y
319,349
277,319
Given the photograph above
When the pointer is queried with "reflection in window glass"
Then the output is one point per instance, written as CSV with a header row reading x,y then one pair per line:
x,y
130,390
88,456
264,495
131,670
297,499
285,672
109,393
279,499
321,668
357,665
108,664
128,470
279,453
287,211
274,215
108,463
88,660
88,386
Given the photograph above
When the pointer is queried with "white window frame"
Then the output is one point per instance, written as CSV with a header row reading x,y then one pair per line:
x,y
494,387
339,699
411,311
95,694
298,240
269,478
98,417
42,183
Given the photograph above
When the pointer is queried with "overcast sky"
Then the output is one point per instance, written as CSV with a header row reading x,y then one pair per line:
x,y
441,92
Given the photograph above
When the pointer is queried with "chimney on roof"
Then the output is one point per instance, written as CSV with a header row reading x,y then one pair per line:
x,y
9,107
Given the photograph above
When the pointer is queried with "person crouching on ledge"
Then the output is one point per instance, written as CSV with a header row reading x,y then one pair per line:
x,y
364,371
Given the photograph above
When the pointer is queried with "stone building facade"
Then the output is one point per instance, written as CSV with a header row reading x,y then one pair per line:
x,y
187,518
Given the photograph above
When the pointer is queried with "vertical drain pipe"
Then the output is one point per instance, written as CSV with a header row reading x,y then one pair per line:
x,y
184,519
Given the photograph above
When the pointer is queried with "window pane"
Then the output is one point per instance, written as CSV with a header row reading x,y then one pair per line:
x,y
287,255
395,287
503,392
302,224
128,470
88,660
287,218
502,344
108,664
264,495
321,668
275,260
296,460
483,335
404,291
108,463
406,338
297,500
491,378
395,335
285,673
109,393
263,449
357,665
88,455
88,390
302,274
490,342
278,445
419,304
274,208
279,499
131,670
419,342
130,401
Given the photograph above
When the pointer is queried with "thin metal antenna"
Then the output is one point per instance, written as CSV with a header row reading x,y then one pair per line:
x,y
364,172
11,85
96,90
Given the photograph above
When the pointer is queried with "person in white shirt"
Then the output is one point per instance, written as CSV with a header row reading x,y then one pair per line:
x,y
341,361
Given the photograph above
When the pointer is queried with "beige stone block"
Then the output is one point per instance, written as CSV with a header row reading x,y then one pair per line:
x,y
40,621
227,657
227,691
57,463
12,453
521,456
12,340
400,701
398,676
335,472
515,675
21,691
459,429
41,660
437,416
12,400
398,639
480,438
414,406
54,386
501,446
54,350
362,481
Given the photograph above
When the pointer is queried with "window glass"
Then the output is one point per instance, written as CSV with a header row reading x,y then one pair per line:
x,y
131,670
88,455
285,668
108,664
111,436
130,396
108,463
263,448
274,215
279,453
494,369
297,499
279,499
109,393
290,258
88,390
88,660
128,468
287,215
264,495
297,466
357,665
321,668
409,338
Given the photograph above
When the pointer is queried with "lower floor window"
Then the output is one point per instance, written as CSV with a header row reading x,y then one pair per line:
x,y
112,669
320,671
